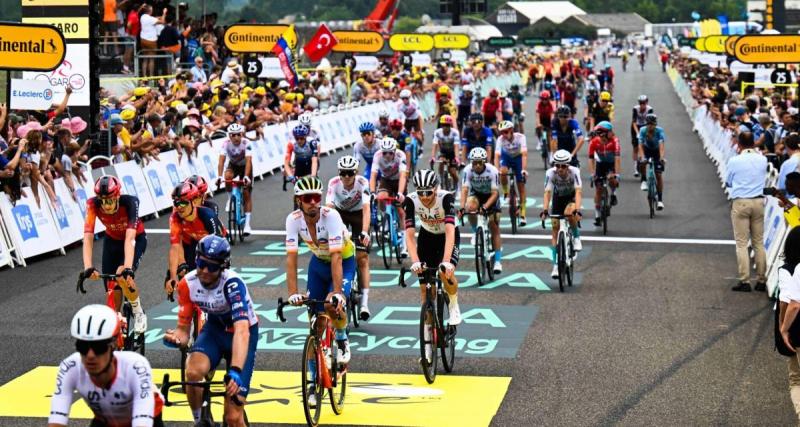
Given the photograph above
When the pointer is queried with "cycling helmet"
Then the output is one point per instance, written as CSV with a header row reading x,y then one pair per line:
x,y
468,88
562,157
476,117
605,96
108,186
346,163
446,120
642,98
366,127
235,128
478,154
493,93
308,185
563,111
95,322
200,182
503,94
514,87
604,127
592,77
505,125
405,93
300,130
383,113
608,66
388,144
548,84
215,248
592,89
185,191
545,94
305,119
425,179
395,124
443,90
651,119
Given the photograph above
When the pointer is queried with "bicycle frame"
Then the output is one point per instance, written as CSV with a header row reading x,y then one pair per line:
x,y
652,187
127,339
483,260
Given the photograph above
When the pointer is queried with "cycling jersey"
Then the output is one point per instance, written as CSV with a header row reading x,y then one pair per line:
x,y
545,110
513,147
567,139
403,141
226,303
516,101
331,234
482,138
433,219
131,397
126,217
639,116
482,183
303,153
489,110
603,114
190,232
604,152
653,142
390,168
409,111
447,143
237,154
562,187
365,153
351,200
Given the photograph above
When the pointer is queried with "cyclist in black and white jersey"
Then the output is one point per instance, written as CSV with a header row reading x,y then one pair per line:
x,y
562,186
446,146
480,190
638,121
382,126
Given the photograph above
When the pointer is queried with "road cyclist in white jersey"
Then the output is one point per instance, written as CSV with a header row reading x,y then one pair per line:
x,y
562,187
349,194
511,153
480,191
390,163
382,125
438,242
447,146
238,155
305,120
409,111
364,150
116,385
332,266
230,330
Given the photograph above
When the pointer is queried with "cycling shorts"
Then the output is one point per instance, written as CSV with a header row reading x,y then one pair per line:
x,y
320,279
238,170
392,186
482,198
603,169
215,342
355,221
114,253
302,168
513,163
656,156
560,203
96,422
190,254
410,125
450,156
430,248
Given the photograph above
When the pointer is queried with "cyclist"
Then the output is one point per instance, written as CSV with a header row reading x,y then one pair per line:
x,y
507,108
367,147
607,78
349,194
116,385
511,152
651,147
305,120
445,105
399,134
562,186
446,143
637,123
591,82
567,135
466,105
390,163
204,199
591,101
305,151
382,127
604,161
438,242
480,191
492,109
230,330
332,266
517,104
123,245
625,58
544,111
188,224
475,135
409,109
240,164
602,111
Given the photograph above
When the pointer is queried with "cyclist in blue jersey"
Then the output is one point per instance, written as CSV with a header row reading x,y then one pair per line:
x,y
365,149
567,135
475,135
651,146
402,137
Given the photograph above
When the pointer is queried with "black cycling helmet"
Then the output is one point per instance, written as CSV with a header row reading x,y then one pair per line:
x,y
651,119
476,117
563,111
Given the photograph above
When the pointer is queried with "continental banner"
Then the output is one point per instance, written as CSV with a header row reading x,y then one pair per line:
x,y
768,49
30,47
252,38
358,41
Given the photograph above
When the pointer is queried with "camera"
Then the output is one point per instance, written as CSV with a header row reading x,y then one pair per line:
x,y
772,191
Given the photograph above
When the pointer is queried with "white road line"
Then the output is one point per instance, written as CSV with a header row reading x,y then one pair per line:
x,y
539,237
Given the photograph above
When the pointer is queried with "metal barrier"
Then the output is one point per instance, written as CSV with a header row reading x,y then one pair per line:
x,y
164,62
110,44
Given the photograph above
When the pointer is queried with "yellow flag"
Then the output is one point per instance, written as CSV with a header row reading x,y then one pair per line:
x,y
291,37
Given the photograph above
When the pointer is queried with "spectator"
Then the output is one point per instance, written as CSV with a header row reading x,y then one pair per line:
x,y
133,29
793,162
148,37
746,175
198,71
169,39
789,305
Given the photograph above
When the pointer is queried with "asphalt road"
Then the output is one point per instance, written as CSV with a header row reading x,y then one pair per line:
x,y
651,334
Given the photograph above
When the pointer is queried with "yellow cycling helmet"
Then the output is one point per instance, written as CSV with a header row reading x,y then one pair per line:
x,y
605,96
443,90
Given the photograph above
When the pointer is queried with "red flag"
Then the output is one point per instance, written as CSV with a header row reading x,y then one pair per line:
x,y
319,45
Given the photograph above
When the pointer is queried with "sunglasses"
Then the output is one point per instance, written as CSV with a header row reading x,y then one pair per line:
x,y
563,117
311,198
478,163
180,203
388,153
98,347
212,267
425,193
108,202
562,166
366,133
347,173
238,135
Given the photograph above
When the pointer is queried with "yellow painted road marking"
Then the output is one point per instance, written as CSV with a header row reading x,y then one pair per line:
x,y
372,399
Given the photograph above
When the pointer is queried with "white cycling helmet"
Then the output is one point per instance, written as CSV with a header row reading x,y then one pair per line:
x,y
562,157
425,179
468,88
405,93
95,322
592,77
503,94
235,128
347,163
505,125
478,154
642,98
388,144
383,113
305,119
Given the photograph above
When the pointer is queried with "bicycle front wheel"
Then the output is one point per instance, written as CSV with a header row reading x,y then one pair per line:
x,y
311,384
562,261
604,210
427,347
447,335
339,379
512,206
233,225
480,256
651,195
386,236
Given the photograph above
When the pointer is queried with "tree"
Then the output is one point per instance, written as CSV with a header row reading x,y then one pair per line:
x,y
406,24
563,30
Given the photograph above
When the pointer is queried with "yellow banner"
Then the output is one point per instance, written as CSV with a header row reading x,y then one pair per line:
x,y
700,44
411,42
55,3
71,28
30,47
768,49
251,38
450,41
715,44
358,41
275,398
730,42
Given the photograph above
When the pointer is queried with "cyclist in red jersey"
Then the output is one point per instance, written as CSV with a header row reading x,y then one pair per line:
x,y
492,110
123,245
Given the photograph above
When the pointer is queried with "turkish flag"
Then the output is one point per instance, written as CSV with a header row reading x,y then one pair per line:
x,y
319,45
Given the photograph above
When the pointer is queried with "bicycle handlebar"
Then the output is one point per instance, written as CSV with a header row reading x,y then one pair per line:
x,y
81,279
306,302
425,272
167,384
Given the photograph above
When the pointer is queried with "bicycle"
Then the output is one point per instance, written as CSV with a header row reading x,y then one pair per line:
x,y
565,250
652,189
413,150
443,169
519,119
484,247
443,338
235,211
206,418
544,145
388,235
605,203
128,339
513,207
319,348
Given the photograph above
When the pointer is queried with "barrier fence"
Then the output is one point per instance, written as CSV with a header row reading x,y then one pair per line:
x,y
28,228
719,145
